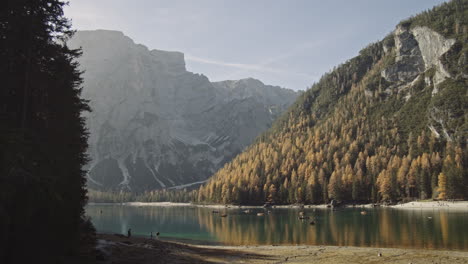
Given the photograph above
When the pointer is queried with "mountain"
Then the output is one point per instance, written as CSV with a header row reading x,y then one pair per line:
x,y
390,124
154,124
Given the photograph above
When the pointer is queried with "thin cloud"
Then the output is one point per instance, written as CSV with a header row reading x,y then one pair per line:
x,y
244,67
263,66
298,49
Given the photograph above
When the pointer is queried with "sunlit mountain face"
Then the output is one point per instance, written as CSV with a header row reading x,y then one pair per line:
x,y
154,124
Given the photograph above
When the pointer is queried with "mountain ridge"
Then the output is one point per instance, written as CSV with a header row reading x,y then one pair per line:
x,y
156,125
389,124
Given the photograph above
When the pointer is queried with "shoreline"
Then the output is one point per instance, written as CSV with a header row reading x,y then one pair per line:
x,y
220,245
435,205
429,205
120,249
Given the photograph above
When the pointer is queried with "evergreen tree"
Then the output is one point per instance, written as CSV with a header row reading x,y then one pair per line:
x,y
442,189
42,134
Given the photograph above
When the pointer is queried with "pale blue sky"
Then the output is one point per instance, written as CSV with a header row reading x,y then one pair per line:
x,y
287,43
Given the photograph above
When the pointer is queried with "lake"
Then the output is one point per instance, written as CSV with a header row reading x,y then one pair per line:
x,y
380,227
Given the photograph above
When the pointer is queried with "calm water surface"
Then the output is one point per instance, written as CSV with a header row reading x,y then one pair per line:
x,y
381,227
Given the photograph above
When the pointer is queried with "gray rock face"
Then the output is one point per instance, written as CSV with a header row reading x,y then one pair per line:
x,y
433,46
417,50
156,125
418,53
408,62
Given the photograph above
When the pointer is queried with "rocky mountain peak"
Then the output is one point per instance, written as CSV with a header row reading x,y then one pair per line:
x,y
250,87
156,125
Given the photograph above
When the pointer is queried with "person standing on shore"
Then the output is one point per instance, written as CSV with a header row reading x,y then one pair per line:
x,y
129,233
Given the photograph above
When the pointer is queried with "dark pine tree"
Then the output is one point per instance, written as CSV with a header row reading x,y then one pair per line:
x,y
43,139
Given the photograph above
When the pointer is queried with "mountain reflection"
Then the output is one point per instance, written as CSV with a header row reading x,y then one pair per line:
x,y
346,227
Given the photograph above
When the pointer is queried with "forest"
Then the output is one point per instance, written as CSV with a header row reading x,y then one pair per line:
x,y
354,137
43,139
164,195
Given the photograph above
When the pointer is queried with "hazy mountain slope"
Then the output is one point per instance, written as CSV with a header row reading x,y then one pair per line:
x,y
156,125
389,124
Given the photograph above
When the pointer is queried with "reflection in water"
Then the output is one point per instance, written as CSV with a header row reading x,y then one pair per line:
x,y
382,227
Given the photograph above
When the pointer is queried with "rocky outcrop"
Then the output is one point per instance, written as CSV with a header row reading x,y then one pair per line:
x,y
432,46
408,62
156,125
417,50
419,56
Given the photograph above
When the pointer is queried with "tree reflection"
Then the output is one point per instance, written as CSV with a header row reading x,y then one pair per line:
x,y
347,227
379,228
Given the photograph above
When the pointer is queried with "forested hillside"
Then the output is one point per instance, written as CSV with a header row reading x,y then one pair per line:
x,y
42,136
390,124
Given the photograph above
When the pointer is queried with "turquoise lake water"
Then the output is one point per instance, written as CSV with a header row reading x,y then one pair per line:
x,y
379,227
